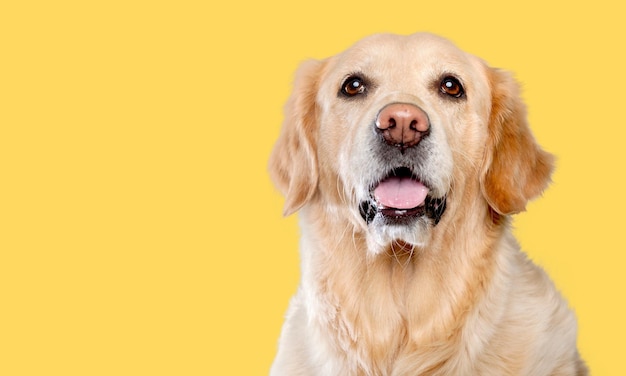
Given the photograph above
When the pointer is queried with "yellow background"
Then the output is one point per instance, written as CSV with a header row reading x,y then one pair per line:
x,y
139,232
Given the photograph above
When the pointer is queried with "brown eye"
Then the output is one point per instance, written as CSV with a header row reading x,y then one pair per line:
x,y
452,87
353,86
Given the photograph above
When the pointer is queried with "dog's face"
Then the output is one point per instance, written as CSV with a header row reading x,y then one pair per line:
x,y
399,133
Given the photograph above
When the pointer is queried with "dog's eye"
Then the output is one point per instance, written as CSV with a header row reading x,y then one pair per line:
x,y
353,86
452,87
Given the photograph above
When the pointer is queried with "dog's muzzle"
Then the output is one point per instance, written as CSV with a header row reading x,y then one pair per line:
x,y
402,195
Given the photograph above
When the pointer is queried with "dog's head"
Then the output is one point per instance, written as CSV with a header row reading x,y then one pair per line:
x,y
400,133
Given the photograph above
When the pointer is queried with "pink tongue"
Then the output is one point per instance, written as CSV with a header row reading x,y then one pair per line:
x,y
400,193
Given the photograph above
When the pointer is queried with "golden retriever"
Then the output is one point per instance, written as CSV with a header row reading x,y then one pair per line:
x,y
405,158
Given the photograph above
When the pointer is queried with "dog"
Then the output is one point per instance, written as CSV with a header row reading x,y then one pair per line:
x,y
405,158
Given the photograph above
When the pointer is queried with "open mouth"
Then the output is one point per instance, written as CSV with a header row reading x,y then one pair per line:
x,y
401,196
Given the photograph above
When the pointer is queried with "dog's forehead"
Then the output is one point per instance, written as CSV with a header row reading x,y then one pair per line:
x,y
422,50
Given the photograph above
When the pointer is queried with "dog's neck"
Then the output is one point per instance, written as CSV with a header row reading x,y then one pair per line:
x,y
367,299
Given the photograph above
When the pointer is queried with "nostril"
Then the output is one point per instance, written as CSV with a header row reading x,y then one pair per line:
x,y
413,126
384,123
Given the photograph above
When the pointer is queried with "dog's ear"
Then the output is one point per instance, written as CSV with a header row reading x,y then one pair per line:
x,y
293,163
515,168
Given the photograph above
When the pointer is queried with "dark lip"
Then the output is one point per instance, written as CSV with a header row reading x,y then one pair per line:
x,y
400,213
399,172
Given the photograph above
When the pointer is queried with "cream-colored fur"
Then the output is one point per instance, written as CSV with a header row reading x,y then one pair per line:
x,y
453,298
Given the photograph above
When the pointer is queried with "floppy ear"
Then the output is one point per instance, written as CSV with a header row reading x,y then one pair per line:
x,y
293,163
515,169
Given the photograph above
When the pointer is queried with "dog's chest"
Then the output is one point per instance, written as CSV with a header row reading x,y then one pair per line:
x,y
367,336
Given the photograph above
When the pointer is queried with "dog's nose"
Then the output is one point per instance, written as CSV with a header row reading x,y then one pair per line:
x,y
402,124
